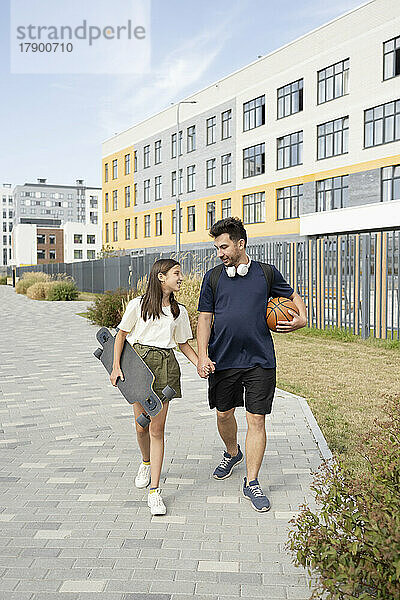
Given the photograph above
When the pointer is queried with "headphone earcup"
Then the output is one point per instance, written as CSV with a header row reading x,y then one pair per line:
x,y
242,270
231,271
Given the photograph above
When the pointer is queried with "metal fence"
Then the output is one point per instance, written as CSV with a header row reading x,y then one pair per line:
x,y
348,281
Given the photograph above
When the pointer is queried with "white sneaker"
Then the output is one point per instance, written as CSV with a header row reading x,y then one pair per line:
x,y
155,503
142,479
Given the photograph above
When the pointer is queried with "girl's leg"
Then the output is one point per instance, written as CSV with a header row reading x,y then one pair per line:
x,y
156,430
142,435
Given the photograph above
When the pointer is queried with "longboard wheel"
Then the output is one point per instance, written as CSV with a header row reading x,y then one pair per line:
x,y
143,420
98,352
169,392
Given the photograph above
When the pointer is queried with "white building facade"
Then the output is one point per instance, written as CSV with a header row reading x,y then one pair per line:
x,y
6,223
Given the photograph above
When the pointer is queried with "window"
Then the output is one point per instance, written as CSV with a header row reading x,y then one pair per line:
x,y
254,208
210,172
390,183
226,168
391,58
127,164
147,226
157,152
191,178
290,99
211,126
41,238
135,161
91,254
332,193
254,160
52,239
127,229
52,255
136,228
226,124
146,156
333,81
225,208
77,238
210,214
173,220
105,174
91,238
158,188
115,168
146,191
173,144
333,138
127,196
115,199
115,231
77,254
191,216
288,201
382,124
290,150
107,236
158,223
173,182
135,196
191,138
254,113
41,254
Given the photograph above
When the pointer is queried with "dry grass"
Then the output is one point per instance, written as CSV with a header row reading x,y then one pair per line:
x,y
345,383
39,290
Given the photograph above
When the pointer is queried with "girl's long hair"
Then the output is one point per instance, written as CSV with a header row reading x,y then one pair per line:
x,y
152,299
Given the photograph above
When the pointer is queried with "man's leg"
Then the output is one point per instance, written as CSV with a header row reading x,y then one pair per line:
x,y
227,427
256,440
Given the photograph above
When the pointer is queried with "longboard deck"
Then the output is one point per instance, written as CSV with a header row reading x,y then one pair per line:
x,y
137,385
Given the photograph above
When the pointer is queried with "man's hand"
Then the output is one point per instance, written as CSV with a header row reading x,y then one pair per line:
x,y
287,326
115,373
205,366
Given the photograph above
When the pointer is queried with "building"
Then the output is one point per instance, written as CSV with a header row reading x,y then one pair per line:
x,y
6,223
81,242
302,142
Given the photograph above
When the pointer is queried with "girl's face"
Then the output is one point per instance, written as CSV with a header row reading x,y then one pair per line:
x,y
171,281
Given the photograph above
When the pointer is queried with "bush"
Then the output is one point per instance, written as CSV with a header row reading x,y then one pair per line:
x,y
3,280
353,541
40,290
63,290
107,309
29,278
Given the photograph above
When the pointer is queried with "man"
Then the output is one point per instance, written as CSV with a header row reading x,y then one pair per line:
x,y
236,351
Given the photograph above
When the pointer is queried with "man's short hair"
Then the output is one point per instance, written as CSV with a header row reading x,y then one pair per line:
x,y
233,226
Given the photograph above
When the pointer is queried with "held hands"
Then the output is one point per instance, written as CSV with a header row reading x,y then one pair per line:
x,y
205,366
115,373
287,326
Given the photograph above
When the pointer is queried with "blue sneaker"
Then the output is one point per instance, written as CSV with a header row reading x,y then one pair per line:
x,y
226,465
254,493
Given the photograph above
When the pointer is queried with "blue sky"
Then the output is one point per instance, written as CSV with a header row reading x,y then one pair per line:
x,y
52,125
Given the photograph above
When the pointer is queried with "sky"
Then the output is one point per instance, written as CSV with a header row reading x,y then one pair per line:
x,y
52,126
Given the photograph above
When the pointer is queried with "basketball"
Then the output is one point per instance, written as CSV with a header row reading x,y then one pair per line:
x,y
277,310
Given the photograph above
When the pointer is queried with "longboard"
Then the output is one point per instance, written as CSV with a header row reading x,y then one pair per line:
x,y
137,385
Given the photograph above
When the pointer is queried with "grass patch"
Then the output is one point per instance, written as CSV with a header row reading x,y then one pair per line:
x,y
88,296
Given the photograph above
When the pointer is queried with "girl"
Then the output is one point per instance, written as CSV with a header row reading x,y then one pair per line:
x,y
154,324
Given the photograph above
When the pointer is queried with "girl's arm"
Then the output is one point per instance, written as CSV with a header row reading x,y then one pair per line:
x,y
118,347
188,351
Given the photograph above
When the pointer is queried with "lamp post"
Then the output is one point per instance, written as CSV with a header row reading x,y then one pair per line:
x,y
178,187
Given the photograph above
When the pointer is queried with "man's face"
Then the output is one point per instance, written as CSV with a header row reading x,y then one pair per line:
x,y
231,253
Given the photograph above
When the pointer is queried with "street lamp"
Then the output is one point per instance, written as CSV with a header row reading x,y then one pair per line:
x,y
178,187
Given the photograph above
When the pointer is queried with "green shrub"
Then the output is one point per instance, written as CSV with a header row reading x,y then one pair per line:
x,y
107,309
40,290
352,542
29,278
63,290
3,280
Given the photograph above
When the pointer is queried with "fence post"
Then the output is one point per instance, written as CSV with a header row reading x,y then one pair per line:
x,y
365,286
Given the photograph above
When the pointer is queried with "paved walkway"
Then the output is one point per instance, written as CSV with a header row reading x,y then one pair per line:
x,y
75,527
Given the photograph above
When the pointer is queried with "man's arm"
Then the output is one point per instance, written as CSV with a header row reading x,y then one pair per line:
x,y
204,365
298,321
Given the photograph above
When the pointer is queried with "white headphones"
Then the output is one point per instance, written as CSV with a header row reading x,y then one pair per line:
x,y
241,270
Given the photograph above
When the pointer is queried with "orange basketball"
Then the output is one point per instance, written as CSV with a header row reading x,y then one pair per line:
x,y
277,310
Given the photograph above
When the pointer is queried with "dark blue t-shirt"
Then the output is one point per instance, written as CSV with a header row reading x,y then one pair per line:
x,y
240,337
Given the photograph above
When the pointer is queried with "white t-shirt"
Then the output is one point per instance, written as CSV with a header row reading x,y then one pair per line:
x,y
165,332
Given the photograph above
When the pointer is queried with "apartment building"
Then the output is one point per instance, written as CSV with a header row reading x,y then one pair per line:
x,y
302,142
6,223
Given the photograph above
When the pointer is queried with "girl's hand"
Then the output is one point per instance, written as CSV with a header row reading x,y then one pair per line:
x,y
115,373
205,366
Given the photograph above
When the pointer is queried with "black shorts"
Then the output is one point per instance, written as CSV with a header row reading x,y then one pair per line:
x,y
225,389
